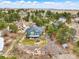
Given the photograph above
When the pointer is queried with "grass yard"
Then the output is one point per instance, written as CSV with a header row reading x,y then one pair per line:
x,y
28,42
32,42
3,57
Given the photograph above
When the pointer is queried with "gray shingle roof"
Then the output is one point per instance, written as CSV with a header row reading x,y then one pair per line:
x,y
34,31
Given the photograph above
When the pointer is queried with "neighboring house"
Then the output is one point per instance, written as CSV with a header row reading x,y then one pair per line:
x,y
22,14
1,42
34,31
60,21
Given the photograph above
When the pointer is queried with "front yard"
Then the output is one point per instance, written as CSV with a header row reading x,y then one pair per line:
x,y
32,42
28,42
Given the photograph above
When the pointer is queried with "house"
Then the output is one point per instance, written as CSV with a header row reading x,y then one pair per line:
x,y
1,42
22,14
34,31
59,21
62,19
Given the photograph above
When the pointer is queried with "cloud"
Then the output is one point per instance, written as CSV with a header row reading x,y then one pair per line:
x,y
35,4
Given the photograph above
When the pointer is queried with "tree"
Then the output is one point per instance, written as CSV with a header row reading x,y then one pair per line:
x,y
78,14
71,32
77,43
39,22
13,28
64,34
49,13
51,29
3,25
45,21
11,17
56,16
2,57
26,18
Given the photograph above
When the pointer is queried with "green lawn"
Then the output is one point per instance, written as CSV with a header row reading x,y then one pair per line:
x,y
32,42
28,42
3,57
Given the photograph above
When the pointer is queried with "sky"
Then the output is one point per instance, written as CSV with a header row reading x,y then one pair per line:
x,y
49,4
